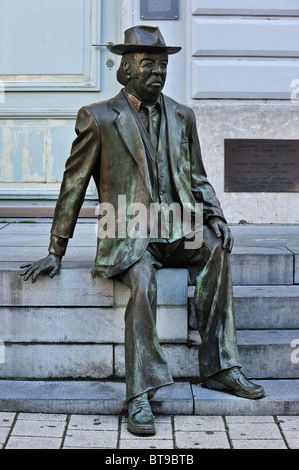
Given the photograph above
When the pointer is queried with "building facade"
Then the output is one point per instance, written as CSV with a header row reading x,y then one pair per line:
x,y
238,70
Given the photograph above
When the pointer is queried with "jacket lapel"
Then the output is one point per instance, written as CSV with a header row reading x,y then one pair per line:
x,y
130,134
175,125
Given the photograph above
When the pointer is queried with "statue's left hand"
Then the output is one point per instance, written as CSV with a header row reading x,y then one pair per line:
x,y
221,229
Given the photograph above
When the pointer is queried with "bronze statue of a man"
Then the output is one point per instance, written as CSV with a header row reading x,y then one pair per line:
x,y
143,145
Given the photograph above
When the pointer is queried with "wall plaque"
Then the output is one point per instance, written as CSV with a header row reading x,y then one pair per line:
x,y
261,165
159,9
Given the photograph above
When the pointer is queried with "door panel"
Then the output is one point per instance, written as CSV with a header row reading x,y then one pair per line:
x,y
49,68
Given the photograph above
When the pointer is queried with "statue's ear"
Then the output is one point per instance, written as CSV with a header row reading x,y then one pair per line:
x,y
124,73
126,68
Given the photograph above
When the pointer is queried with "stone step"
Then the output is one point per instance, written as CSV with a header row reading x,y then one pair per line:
x,y
251,265
266,353
263,353
76,287
261,307
181,398
257,307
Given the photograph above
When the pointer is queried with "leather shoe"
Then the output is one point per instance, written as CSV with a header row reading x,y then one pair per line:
x,y
141,419
233,381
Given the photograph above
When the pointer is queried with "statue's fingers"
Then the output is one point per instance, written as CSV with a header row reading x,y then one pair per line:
x,y
36,273
25,265
30,268
216,230
27,273
226,237
54,272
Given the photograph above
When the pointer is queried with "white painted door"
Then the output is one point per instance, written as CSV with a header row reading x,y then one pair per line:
x,y
49,68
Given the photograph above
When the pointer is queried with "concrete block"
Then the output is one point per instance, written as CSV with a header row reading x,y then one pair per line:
x,y
83,325
269,353
182,360
265,353
172,288
44,361
172,324
266,306
262,266
260,307
72,287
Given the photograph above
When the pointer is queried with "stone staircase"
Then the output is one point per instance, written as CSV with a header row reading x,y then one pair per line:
x,y
62,338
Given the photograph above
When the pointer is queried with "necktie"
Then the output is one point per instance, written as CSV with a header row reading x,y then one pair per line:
x,y
151,129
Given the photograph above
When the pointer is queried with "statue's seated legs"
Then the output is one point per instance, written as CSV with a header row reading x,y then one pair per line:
x,y
209,265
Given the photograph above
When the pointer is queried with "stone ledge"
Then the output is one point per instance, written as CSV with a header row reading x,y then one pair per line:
x,y
250,264
181,398
76,287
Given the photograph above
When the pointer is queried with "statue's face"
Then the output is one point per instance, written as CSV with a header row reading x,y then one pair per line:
x,y
147,75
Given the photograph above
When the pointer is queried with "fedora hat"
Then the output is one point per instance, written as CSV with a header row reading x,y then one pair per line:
x,y
143,39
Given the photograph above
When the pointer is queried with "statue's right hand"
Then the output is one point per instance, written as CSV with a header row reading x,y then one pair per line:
x,y
50,265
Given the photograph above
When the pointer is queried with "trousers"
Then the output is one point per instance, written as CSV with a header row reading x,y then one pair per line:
x,y
146,367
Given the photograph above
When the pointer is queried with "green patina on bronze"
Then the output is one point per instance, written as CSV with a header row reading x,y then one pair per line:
x,y
150,162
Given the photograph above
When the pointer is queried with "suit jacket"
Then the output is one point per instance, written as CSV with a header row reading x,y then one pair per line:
x,y
110,148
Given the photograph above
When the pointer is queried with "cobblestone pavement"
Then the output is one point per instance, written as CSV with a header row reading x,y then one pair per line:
x,y
62,431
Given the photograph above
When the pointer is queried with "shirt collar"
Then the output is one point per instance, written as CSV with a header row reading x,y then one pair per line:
x,y
137,103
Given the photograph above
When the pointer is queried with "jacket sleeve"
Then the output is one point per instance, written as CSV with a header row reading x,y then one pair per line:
x,y
201,188
78,170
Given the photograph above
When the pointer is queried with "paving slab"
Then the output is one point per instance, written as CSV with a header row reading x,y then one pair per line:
x,y
259,444
93,422
249,419
88,439
289,423
254,431
6,419
199,423
29,442
4,432
145,443
201,440
38,428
